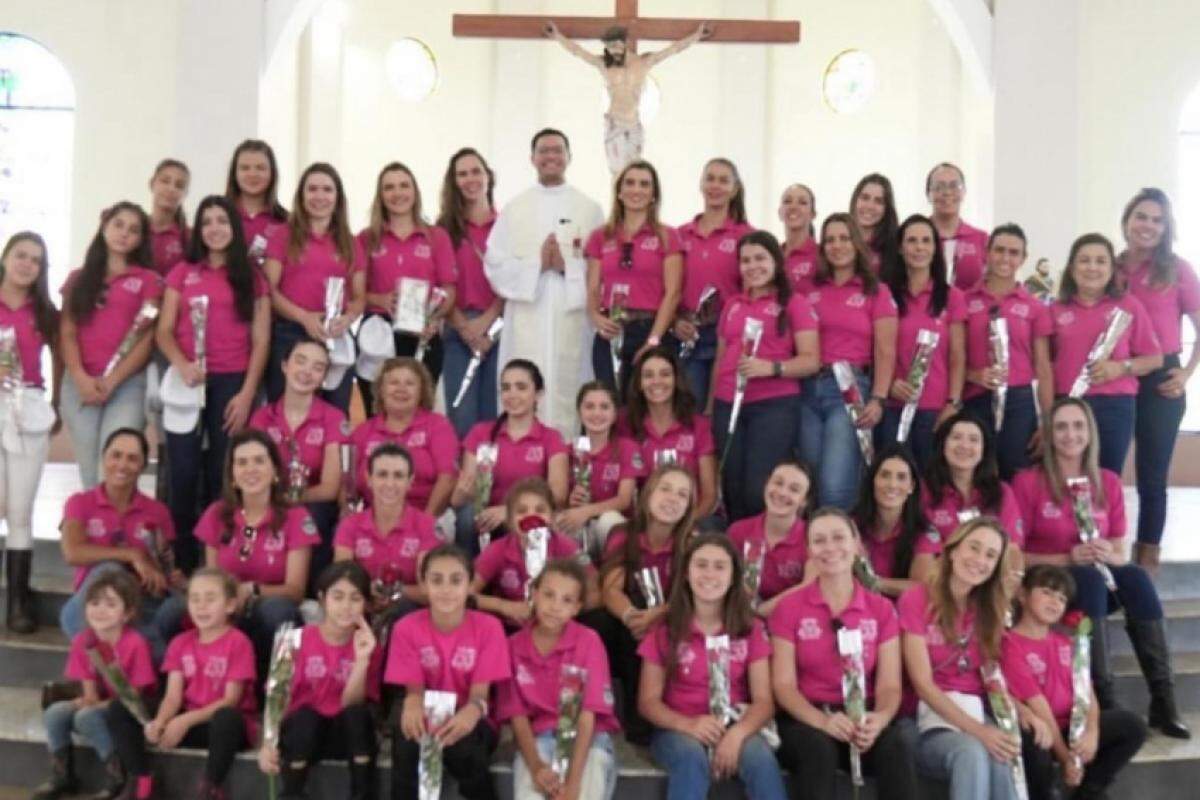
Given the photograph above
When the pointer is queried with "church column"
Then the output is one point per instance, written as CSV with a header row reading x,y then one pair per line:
x,y
319,134
746,105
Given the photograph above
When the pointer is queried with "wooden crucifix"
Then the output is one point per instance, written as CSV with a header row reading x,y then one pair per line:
x,y
623,68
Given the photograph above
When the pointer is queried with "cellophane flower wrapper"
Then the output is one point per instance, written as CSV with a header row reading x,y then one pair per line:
x,y
703,315
1080,490
437,296
752,331
668,455
104,661
335,291
617,313
650,585
720,702
439,707
493,333
297,473
754,554
582,468
854,690
918,371
1081,683
865,574
566,729
198,315
278,690
1004,712
388,586
847,381
348,456
998,351
486,455
146,315
1119,321
967,514
10,358
537,548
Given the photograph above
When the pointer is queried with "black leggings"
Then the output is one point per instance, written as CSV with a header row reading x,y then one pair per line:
x,y
815,756
621,648
223,736
468,760
307,736
1121,736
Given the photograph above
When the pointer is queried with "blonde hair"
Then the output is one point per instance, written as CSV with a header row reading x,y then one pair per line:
x,y
1091,454
990,600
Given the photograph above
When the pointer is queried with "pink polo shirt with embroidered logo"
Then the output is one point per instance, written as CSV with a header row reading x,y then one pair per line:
x,y
613,463
801,265
645,275
916,318
266,561
690,443
323,670
1028,320
209,667
131,652
882,552
783,564
167,247
393,555
1076,328
324,425
429,438
1035,667
951,673
1050,525
846,318
527,457
772,346
475,291
259,229
424,254
23,321
943,512
536,680
502,564
805,620
686,690
970,255
227,341
303,281
100,333
710,260
662,559
106,526
1166,305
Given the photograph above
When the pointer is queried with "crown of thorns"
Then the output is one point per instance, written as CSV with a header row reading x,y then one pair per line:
x,y
616,33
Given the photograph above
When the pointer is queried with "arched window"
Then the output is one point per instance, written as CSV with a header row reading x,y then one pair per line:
x,y
37,120
1187,212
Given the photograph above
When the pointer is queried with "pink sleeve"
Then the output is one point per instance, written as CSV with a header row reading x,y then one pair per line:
x,y
1143,341
142,673
443,257
597,695
262,287
444,447
705,446
1010,516
494,662
758,646
403,664
628,449
1043,324
674,241
614,542
801,315
208,527
175,277
77,507
1114,493
344,535
299,530
173,660
359,254
242,666
337,429
912,611
651,649
487,564
781,622
1016,672
1024,497
152,287
1188,286
595,244
889,623
956,305
78,667
277,243
928,543
554,443
883,305
476,436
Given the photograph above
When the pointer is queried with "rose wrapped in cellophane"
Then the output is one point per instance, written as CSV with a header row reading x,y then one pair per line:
x,y
720,696
1004,712
104,660
754,553
297,472
348,455
146,315
582,468
701,316
1081,683
10,359
278,691
665,456
847,381
618,313
649,583
437,296
1119,321
854,691
752,331
998,350
335,292
493,333
566,729
537,548
1080,490
918,371
486,455
439,707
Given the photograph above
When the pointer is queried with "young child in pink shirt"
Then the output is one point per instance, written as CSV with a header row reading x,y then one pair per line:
x,y
541,654
210,701
1037,664
111,604
447,648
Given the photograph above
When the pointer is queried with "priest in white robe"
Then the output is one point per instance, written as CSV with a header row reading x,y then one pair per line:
x,y
535,261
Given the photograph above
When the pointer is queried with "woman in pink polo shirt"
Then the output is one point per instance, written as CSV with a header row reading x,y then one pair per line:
x,y
264,543
403,394
926,303
252,186
806,671
28,312
787,349
965,247
1000,296
1168,289
710,262
856,324
896,536
406,258
773,542
236,333
692,743
1071,477
951,626
523,448
1089,294
168,222
315,247
467,215
662,420
635,269
797,210
102,301
873,206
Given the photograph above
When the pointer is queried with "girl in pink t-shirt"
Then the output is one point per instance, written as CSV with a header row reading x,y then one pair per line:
x,y
218,273
896,535
603,473
210,701
252,184
111,605
951,626
786,350
807,631
1037,663
102,305
543,653
693,741
873,207
336,677
168,222
447,648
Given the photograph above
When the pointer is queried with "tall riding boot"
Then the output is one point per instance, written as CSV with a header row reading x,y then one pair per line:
x,y
20,601
362,780
1149,639
1102,677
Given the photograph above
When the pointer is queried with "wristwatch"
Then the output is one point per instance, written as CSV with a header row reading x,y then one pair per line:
x,y
1128,365
777,369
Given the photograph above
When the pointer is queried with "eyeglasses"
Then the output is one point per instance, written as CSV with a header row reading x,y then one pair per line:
x,y
944,187
627,255
249,534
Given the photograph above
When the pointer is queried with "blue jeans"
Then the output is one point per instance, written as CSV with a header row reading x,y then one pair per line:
x,y
62,719
195,478
159,620
688,772
283,333
1020,422
636,333
479,403
699,365
828,441
920,435
765,435
1114,422
962,761
1157,425
1135,593
89,426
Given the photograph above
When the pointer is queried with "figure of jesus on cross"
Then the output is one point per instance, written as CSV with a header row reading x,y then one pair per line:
x,y
625,71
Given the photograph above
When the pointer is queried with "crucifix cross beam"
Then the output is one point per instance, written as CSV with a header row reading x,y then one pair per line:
x,y
625,14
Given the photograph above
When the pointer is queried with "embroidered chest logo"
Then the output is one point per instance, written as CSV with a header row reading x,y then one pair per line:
x,y
191,279
933,634
869,628
790,569
685,443
1037,666
814,298
856,300
132,285
1020,310
96,528
315,668
429,657
727,245
810,629
739,649
650,243
975,306
524,677
409,546
1064,655
422,251
415,439
1051,511
188,662
1065,318
509,579
685,656
463,659
535,454
314,436
942,517
364,549
611,472
216,667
